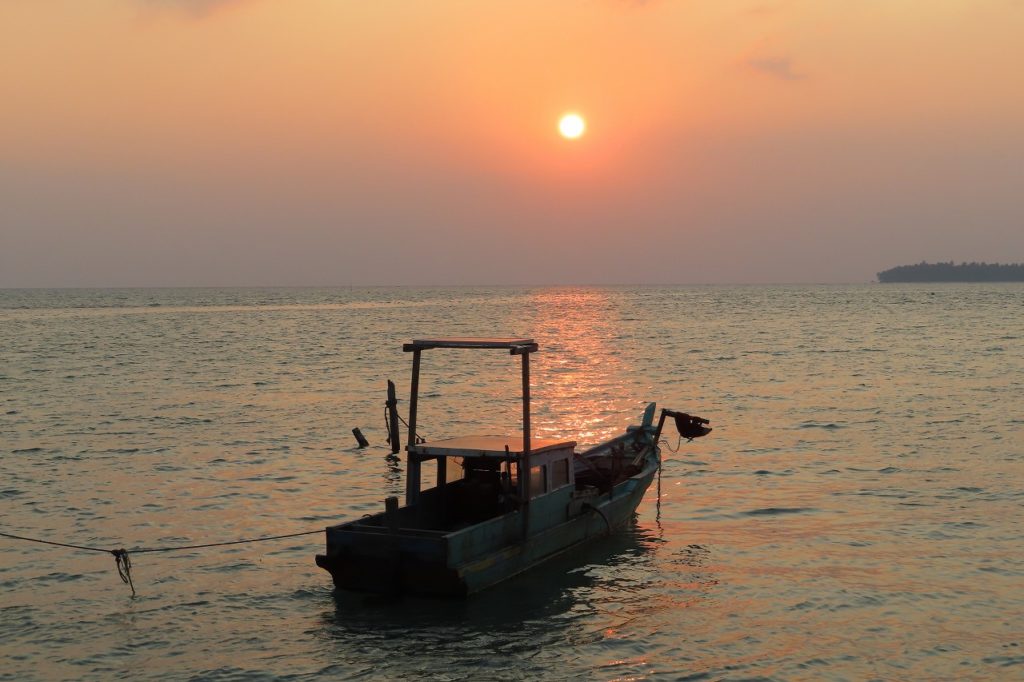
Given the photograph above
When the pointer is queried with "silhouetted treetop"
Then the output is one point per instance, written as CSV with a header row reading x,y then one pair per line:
x,y
951,272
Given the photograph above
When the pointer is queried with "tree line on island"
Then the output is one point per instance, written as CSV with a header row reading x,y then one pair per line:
x,y
951,272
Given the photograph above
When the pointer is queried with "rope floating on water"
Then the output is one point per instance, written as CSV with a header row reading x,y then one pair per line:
x,y
124,562
224,544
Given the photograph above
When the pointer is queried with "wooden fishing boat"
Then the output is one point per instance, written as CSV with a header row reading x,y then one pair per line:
x,y
499,504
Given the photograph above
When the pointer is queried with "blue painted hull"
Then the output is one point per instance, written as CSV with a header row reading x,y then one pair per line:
x,y
364,555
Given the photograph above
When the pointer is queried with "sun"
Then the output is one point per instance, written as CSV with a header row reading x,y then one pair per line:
x,y
571,126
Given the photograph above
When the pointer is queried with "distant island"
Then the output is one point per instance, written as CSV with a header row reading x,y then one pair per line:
x,y
950,272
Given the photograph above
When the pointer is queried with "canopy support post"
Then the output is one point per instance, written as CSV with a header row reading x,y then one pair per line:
x,y
412,474
524,474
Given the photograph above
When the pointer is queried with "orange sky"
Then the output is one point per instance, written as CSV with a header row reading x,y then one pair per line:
x,y
219,142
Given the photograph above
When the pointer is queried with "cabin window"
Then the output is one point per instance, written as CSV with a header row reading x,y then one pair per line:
x,y
538,480
454,469
511,470
559,473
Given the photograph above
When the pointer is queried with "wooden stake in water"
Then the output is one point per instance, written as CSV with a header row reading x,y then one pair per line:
x,y
392,407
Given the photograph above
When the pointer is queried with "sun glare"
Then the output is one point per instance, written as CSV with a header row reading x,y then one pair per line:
x,y
571,126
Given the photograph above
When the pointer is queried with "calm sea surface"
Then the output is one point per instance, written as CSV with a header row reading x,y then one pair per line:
x,y
858,512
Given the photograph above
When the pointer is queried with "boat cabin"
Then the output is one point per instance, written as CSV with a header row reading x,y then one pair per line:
x,y
481,477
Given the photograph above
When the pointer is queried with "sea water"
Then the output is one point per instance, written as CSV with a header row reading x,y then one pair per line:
x,y
856,513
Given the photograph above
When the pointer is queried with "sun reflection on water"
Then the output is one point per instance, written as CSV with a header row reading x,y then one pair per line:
x,y
578,385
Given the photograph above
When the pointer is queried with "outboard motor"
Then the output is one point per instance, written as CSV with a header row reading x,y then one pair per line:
x,y
691,426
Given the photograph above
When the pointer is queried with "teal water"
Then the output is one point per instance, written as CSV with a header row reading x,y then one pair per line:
x,y
855,514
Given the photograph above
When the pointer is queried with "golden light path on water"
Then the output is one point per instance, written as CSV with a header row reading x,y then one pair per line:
x,y
853,515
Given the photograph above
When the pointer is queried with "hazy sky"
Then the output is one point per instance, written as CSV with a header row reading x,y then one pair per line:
x,y
285,142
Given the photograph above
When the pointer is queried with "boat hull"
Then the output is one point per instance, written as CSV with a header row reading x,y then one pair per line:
x,y
430,565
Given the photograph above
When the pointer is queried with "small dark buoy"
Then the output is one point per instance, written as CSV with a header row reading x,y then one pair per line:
x,y
360,438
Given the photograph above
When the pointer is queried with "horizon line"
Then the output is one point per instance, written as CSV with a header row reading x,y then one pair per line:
x,y
547,285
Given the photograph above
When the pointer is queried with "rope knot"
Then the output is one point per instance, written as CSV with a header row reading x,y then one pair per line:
x,y
124,567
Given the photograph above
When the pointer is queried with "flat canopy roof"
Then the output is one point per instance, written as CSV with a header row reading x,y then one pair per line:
x,y
512,344
487,446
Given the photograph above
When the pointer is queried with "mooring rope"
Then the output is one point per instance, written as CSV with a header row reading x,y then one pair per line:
x,y
679,444
589,507
124,567
124,562
224,544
